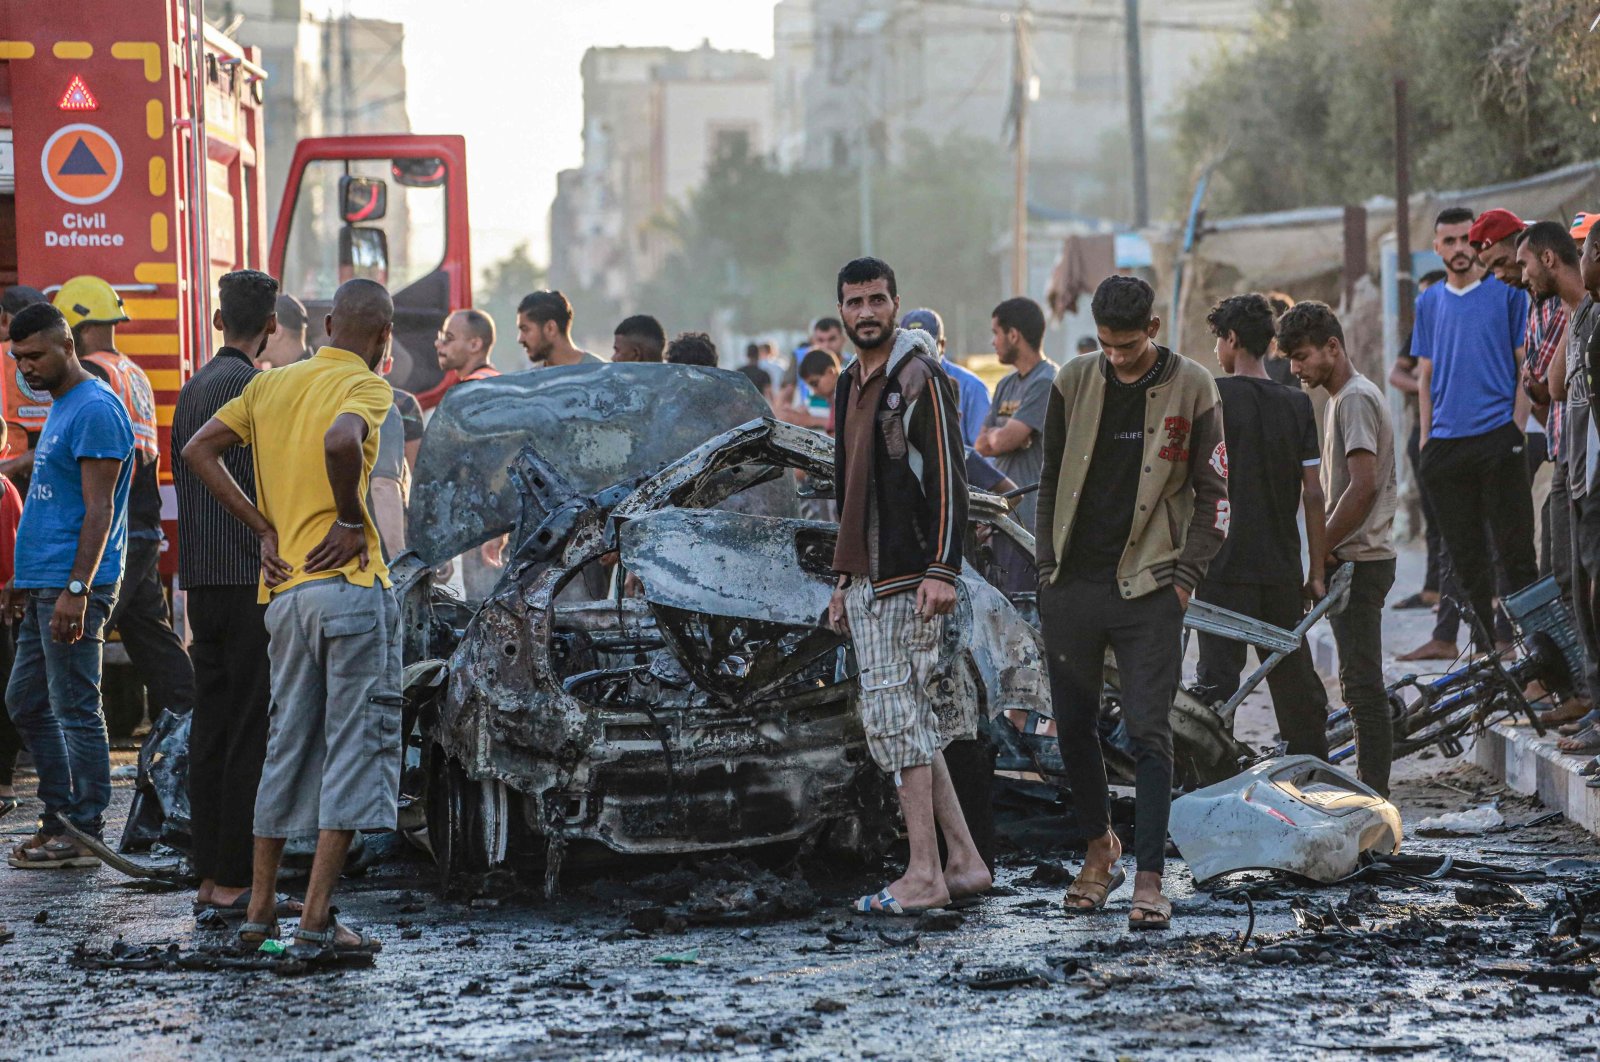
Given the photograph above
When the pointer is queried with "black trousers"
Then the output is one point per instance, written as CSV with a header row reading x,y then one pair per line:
x,y
1358,632
142,619
1080,619
1299,699
228,734
1586,577
10,741
1432,578
1479,490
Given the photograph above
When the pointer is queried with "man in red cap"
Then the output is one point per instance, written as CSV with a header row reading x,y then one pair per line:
x,y
1494,236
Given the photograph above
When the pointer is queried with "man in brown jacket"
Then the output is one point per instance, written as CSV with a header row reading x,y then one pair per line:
x,y
1133,504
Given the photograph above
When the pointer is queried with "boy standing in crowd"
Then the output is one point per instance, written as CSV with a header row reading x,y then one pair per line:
x,y
1133,504
1274,467
1358,481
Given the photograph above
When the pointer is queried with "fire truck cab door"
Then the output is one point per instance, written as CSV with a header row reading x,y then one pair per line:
x,y
391,209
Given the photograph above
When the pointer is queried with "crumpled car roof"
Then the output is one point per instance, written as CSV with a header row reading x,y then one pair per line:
x,y
595,425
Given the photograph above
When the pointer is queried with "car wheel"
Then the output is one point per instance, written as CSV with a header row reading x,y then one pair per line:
x,y
455,820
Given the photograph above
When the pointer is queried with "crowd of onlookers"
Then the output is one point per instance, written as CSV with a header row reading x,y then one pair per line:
x,y
1145,480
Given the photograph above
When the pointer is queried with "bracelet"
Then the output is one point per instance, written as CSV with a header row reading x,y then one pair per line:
x,y
348,527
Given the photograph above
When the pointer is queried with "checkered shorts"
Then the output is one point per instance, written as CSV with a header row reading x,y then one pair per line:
x,y
896,654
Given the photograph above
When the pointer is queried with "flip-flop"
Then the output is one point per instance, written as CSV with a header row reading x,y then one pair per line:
x,y
8,804
1590,769
240,907
887,906
1088,879
1156,914
55,854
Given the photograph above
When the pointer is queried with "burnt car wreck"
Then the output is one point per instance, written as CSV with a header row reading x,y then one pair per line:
x,y
647,671
652,675
698,704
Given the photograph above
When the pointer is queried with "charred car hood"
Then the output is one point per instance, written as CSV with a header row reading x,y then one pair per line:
x,y
594,425
732,564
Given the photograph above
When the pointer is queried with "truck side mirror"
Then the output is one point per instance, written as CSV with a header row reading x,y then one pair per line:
x,y
363,252
418,173
362,199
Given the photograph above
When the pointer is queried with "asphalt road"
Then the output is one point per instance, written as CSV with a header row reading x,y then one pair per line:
x,y
515,977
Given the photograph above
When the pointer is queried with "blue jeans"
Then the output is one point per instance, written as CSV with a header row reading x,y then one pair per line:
x,y
54,700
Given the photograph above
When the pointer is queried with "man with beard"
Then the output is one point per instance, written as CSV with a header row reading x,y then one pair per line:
x,y
544,328
1015,425
1571,379
902,502
1467,340
69,555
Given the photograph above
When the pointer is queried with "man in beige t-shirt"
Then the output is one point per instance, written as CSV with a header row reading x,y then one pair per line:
x,y
1359,483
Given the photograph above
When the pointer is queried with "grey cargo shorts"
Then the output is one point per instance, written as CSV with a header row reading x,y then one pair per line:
x,y
334,743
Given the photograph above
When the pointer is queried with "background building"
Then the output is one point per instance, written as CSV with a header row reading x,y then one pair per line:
x,y
856,76
655,120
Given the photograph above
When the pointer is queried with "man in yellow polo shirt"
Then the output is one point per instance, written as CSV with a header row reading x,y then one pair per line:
x,y
333,750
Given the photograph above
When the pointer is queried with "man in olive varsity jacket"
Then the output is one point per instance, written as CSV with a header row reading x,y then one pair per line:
x,y
1133,504
900,482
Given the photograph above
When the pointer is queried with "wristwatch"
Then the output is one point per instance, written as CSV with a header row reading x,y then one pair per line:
x,y
78,588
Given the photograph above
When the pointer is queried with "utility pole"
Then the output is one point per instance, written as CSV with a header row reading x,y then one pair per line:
x,y
345,65
1402,206
1021,91
864,185
1135,71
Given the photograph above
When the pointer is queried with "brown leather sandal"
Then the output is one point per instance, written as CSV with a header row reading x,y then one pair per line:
x,y
1093,885
1153,914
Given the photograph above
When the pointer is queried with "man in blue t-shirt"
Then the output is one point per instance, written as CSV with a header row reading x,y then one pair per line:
x,y
69,561
971,392
1468,342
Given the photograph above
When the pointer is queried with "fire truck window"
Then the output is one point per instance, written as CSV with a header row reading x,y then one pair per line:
x,y
318,255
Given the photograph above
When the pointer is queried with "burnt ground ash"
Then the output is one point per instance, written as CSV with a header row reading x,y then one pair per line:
x,y
731,956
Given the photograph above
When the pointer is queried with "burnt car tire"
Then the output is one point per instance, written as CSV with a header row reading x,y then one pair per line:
x,y
455,820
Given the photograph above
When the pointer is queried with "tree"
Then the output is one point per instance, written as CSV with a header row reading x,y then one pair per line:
x,y
1303,114
500,289
757,249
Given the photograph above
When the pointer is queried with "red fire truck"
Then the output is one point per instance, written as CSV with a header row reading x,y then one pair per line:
x,y
131,147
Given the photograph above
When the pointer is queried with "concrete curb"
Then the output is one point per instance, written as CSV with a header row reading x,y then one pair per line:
x,y
1531,765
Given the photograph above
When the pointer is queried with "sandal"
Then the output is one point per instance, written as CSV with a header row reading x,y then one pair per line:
x,y
8,804
1094,886
57,853
255,934
1154,914
326,941
288,907
885,905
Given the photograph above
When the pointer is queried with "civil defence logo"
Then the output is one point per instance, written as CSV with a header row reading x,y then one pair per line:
x,y
81,163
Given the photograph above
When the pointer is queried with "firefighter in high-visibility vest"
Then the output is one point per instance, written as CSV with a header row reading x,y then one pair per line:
x,y
93,309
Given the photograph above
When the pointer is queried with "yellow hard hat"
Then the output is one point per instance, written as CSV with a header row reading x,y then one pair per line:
x,y
90,299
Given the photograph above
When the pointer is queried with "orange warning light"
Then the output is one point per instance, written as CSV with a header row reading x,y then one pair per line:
x,y
78,97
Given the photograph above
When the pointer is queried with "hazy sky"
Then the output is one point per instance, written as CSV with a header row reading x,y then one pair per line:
x,y
504,74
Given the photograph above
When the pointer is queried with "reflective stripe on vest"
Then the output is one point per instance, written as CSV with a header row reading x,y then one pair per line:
x,y
138,398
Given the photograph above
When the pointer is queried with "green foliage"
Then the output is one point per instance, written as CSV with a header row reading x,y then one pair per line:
x,y
1303,114
499,289
758,249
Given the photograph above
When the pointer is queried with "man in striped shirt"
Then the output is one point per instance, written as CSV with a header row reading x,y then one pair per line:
x,y
219,564
902,498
